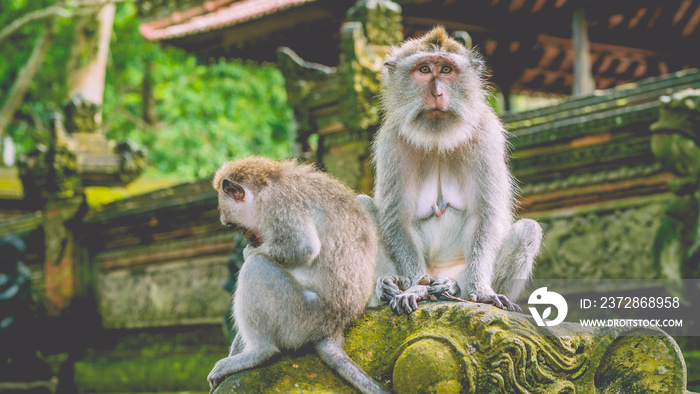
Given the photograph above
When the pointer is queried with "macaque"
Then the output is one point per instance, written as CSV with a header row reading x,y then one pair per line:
x,y
443,196
308,269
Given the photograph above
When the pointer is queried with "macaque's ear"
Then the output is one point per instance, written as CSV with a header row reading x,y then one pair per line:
x,y
463,38
233,189
390,65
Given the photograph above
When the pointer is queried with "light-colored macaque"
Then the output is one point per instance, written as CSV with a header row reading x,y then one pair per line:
x,y
443,197
308,269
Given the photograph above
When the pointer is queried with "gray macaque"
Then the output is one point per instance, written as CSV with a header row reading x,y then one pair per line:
x,y
308,269
443,197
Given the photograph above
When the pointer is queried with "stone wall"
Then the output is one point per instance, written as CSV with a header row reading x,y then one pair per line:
x,y
159,262
160,258
607,241
587,173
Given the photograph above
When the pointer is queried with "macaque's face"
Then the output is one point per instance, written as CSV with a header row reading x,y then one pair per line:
x,y
435,75
237,208
433,96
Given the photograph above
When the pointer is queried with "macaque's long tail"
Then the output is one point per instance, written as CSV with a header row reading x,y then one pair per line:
x,y
333,354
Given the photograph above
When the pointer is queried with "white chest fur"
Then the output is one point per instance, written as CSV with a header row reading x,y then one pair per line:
x,y
443,242
439,188
442,216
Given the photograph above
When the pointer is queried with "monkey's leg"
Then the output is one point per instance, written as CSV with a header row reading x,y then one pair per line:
x,y
516,258
269,303
272,303
236,345
332,353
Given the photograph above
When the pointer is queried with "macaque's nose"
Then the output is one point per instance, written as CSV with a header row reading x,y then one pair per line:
x,y
437,101
436,88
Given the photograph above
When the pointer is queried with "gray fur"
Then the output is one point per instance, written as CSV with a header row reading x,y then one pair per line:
x,y
385,267
290,292
469,144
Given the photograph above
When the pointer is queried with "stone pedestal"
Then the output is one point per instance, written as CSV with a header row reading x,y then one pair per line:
x,y
449,347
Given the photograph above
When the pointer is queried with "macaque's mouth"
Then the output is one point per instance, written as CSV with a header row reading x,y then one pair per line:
x,y
441,110
253,238
436,113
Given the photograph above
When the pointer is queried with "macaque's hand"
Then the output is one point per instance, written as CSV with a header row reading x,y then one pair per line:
x,y
499,300
389,287
439,286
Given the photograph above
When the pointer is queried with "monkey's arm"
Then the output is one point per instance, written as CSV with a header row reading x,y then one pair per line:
x,y
290,240
402,245
396,214
395,221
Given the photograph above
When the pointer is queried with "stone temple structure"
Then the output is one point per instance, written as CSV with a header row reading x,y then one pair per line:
x,y
611,175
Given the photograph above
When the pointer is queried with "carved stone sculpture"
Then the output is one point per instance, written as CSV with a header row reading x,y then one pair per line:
x,y
450,347
676,145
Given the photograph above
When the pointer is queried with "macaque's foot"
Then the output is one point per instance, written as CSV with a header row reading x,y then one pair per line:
x,y
440,286
219,373
408,300
499,300
390,287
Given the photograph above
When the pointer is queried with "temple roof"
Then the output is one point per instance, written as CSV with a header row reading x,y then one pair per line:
x,y
527,41
213,15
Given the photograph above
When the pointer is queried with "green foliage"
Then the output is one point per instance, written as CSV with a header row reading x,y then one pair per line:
x,y
167,373
47,90
692,361
205,113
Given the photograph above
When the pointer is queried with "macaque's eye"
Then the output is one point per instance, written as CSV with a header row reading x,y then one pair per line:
x,y
446,69
424,70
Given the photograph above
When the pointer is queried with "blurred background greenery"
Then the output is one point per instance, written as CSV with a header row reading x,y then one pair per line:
x,y
138,306
190,114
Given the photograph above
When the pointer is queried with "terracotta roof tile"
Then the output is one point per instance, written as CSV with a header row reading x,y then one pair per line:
x,y
193,21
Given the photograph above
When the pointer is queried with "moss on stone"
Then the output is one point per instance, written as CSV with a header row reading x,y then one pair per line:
x,y
160,360
427,366
162,374
450,347
298,372
642,364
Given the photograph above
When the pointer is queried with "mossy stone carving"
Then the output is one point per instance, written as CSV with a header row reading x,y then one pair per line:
x,y
374,25
676,145
451,347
